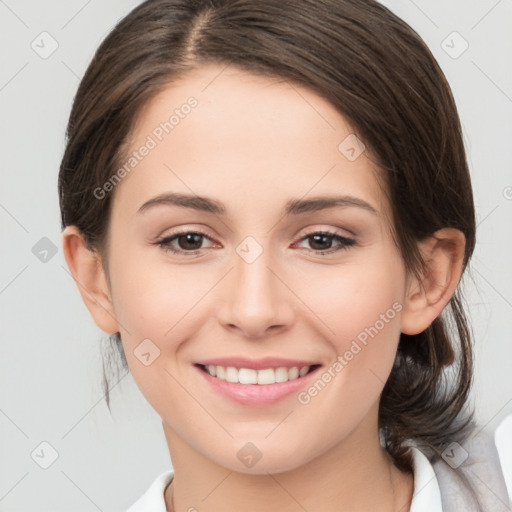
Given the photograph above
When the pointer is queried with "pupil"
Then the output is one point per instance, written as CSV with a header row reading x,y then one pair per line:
x,y
189,240
316,239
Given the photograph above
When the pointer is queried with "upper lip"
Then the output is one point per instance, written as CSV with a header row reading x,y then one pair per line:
x,y
256,364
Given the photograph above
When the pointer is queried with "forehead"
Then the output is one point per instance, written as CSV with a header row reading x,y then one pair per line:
x,y
223,132
246,108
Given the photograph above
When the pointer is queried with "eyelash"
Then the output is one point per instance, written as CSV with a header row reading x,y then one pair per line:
x,y
165,243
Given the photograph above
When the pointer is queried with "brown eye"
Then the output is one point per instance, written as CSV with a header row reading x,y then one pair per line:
x,y
189,241
186,242
322,242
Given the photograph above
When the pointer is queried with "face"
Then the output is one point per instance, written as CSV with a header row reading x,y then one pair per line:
x,y
255,275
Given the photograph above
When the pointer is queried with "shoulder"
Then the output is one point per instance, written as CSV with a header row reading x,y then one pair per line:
x,y
470,477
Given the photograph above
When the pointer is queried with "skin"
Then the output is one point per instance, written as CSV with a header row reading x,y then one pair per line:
x,y
253,143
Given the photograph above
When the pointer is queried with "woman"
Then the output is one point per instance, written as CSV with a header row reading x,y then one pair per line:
x,y
268,206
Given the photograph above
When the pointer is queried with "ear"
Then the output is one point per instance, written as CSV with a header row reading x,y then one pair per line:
x,y
87,271
443,254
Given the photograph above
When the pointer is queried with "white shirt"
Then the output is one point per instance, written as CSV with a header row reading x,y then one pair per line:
x,y
426,496
503,440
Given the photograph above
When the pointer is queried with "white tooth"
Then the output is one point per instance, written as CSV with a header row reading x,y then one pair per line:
x,y
281,374
266,376
220,373
303,371
293,373
231,374
251,376
247,376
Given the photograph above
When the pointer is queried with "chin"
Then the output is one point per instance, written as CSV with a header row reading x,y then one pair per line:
x,y
262,458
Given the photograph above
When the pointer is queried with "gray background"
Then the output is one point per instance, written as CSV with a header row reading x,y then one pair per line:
x,y
50,364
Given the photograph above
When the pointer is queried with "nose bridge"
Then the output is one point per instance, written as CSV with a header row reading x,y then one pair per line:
x,y
254,299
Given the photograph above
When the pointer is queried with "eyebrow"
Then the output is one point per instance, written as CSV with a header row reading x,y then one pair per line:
x,y
292,207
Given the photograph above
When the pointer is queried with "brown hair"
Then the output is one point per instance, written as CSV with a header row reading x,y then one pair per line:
x,y
379,74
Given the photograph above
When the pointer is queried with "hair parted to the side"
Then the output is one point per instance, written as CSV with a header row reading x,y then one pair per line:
x,y
380,75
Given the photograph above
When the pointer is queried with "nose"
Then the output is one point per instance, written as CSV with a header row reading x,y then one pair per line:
x,y
255,300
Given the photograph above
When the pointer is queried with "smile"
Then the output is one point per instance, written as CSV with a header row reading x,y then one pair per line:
x,y
264,376
256,383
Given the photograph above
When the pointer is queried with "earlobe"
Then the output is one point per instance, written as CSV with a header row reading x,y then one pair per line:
x,y
426,298
87,271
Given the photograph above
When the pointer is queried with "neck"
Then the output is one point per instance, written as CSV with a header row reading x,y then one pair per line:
x,y
357,474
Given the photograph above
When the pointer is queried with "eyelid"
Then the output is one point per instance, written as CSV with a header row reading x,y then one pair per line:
x,y
325,228
182,231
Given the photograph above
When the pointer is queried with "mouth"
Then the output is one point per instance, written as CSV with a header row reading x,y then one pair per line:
x,y
259,377
256,383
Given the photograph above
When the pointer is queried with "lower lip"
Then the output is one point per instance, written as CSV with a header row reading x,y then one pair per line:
x,y
256,394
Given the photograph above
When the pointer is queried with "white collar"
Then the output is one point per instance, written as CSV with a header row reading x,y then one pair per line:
x,y
426,495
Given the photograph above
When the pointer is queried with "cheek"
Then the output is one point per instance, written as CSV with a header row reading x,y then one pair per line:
x,y
360,305
155,307
351,299
153,299
167,305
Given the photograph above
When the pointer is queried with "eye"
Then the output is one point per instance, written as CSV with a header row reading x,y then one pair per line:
x,y
321,242
189,242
